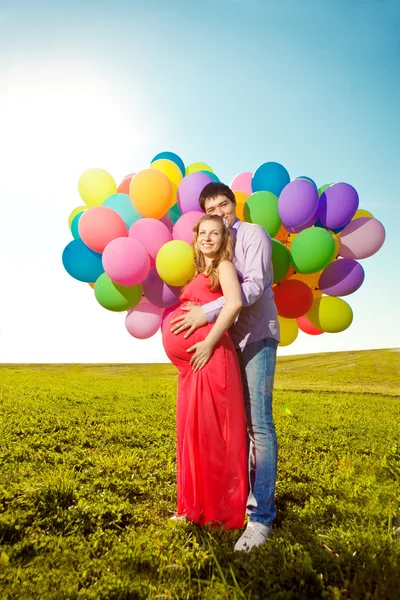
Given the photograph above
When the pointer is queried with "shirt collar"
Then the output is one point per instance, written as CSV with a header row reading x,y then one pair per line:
x,y
237,224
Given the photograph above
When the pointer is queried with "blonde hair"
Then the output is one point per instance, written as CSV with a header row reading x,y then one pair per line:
x,y
224,253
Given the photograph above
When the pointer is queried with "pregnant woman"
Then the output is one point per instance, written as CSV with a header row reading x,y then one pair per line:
x,y
211,432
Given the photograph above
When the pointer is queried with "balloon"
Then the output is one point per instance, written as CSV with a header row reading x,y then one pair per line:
x,y
115,297
262,208
361,238
174,213
280,260
174,157
158,292
270,177
212,175
307,179
298,203
151,193
74,226
342,277
183,229
166,314
123,187
75,212
143,321
121,204
289,330
82,263
337,205
310,279
242,183
172,171
189,191
330,314
362,213
174,262
95,185
282,235
166,220
307,327
198,166
152,234
292,298
309,223
323,188
241,198
99,225
312,250
126,261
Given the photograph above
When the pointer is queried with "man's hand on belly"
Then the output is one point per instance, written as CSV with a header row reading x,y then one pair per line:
x,y
193,318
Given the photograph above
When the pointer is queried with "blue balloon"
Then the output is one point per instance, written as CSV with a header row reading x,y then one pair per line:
x,y
122,204
212,175
74,226
82,263
174,157
174,213
319,223
308,179
270,177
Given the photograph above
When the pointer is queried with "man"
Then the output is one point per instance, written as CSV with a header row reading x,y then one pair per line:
x,y
256,335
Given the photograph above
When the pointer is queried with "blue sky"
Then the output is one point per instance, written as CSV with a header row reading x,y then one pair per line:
x,y
313,85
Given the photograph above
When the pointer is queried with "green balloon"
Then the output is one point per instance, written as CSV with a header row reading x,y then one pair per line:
x,y
116,297
174,213
280,260
262,208
312,250
323,188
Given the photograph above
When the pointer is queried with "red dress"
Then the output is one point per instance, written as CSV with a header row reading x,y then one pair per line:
x,y
212,477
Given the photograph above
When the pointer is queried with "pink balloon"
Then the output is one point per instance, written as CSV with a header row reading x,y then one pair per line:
x,y
167,222
123,187
242,183
183,228
361,238
99,225
152,234
126,261
143,321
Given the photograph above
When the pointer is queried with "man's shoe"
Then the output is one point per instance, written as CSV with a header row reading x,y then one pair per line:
x,y
254,535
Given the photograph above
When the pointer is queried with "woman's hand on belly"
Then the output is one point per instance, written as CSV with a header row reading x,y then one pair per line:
x,y
202,354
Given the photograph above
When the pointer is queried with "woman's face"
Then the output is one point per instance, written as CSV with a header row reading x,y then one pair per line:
x,y
209,238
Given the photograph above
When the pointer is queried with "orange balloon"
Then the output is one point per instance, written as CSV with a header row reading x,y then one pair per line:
x,y
92,285
311,279
123,187
282,235
241,198
151,193
290,272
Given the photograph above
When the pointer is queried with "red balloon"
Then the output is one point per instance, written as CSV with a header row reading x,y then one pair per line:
x,y
306,326
293,298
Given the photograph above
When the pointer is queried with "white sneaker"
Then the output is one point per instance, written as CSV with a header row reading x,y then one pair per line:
x,y
178,518
254,535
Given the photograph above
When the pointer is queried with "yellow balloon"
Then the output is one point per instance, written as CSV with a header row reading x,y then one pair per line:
x,y
198,166
241,198
289,330
151,193
174,262
330,314
75,212
172,171
95,186
337,243
362,213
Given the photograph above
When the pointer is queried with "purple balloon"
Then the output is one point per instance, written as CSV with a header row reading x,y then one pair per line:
x,y
309,223
341,278
167,222
158,292
337,205
298,203
189,191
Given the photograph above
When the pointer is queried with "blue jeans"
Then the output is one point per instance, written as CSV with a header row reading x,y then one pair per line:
x,y
257,364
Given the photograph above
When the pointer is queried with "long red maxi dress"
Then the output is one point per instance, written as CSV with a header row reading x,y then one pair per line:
x,y
211,432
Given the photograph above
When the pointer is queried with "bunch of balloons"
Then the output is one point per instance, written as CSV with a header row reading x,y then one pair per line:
x,y
132,242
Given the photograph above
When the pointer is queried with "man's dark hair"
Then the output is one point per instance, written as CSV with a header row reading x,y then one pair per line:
x,y
214,189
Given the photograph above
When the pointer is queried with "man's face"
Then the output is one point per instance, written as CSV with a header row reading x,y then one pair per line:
x,y
223,207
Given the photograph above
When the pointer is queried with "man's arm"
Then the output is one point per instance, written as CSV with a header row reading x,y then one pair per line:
x,y
257,273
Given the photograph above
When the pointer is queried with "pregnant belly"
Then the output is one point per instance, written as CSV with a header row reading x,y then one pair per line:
x,y
176,345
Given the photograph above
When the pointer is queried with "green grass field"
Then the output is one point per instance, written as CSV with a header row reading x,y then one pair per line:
x,y
87,484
